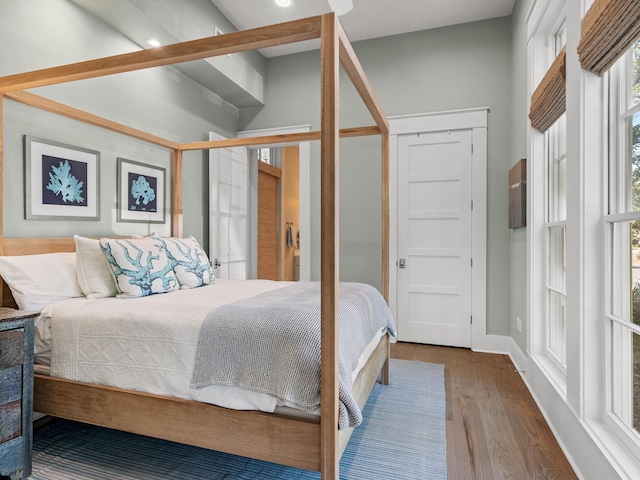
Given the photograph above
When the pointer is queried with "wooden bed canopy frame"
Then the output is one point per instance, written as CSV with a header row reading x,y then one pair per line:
x,y
294,442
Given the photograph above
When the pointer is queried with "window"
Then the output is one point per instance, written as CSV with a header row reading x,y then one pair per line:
x,y
264,155
554,346
270,156
555,342
623,245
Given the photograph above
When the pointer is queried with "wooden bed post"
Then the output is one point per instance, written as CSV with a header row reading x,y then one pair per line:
x,y
329,273
385,378
176,193
385,216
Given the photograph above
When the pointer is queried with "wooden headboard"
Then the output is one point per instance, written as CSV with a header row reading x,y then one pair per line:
x,y
30,246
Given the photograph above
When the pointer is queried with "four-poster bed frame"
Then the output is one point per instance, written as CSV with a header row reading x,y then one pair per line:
x,y
299,443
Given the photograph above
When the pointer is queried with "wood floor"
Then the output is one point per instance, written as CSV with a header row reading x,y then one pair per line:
x,y
494,428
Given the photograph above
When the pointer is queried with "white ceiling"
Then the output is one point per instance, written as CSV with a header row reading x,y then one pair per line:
x,y
368,19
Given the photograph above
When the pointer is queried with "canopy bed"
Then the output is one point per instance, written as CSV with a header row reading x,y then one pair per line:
x,y
301,443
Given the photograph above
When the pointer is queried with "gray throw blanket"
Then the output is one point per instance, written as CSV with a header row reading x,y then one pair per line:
x,y
271,343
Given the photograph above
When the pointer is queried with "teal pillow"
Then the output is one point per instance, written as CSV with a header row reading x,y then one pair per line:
x,y
190,262
140,266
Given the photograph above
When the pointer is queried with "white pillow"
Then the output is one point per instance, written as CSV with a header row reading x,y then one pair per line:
x,y
38,280
94,274
190,262
140,266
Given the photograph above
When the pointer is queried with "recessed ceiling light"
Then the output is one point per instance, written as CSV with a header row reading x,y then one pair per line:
x,y
284,3
152,42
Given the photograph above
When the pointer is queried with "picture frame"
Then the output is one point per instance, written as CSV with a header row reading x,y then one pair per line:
x,y
61,181
141,192
518,195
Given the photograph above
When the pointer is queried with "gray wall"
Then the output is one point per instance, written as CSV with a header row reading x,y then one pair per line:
x,y
444,69
38,34
519,128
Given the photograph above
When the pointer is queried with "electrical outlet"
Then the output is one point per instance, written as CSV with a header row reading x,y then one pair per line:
x,y
519,324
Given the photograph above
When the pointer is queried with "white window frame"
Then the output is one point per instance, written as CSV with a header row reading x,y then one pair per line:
x,y
618,416
555,252
542,52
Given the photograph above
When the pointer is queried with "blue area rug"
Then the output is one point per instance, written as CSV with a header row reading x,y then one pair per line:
x,y
402,438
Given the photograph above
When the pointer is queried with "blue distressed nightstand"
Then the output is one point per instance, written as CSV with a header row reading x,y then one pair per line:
x,y
16,392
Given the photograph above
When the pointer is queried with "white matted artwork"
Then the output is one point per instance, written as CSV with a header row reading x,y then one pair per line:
x,y
61,181
141,192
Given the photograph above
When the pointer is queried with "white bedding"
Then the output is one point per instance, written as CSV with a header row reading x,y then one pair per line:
x,y
147,344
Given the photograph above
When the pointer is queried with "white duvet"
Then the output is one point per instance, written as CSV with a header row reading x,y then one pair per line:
x,y
147,344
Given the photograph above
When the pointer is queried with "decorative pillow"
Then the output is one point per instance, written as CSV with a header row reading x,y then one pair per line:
x,y
93,270
190,262
140,266
38,280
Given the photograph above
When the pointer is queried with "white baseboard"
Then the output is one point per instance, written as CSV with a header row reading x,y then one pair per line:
x,y
492,344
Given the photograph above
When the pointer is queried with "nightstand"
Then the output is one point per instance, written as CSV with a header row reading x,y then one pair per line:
x,y
16,392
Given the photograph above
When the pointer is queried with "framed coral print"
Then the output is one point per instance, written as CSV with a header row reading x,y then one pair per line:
x,y
141,192
61,181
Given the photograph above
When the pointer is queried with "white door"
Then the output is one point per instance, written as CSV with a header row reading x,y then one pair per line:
x,y
229,212
434,238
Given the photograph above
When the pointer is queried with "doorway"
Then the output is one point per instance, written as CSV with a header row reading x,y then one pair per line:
x,y
434,238
278,252
438,213
302,226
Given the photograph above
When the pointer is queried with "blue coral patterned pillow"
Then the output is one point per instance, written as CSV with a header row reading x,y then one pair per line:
x,y
140,266
190,262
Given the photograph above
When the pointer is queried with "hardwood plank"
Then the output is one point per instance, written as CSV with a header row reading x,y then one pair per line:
x,y
477,441
502,442
253,39
494,427
535,436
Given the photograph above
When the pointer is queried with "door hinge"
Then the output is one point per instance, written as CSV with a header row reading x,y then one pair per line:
x,y
472,205
472,262
471,317
472,148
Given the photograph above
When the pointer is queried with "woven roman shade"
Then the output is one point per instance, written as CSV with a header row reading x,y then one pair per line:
x,y
549,101
609,28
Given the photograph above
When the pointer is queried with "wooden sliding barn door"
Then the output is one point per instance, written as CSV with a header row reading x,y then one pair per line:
x,y
268,180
